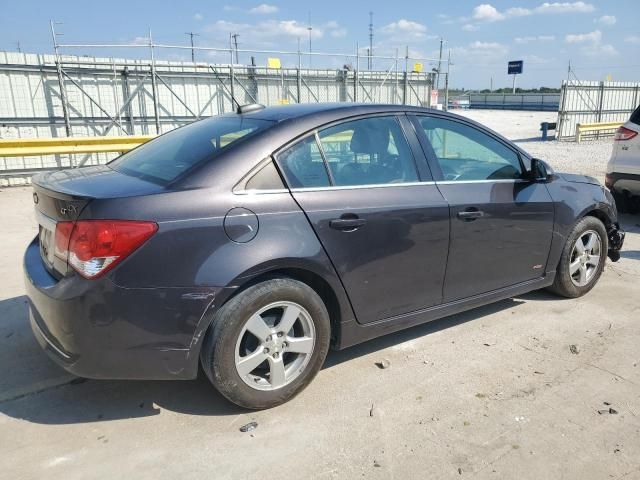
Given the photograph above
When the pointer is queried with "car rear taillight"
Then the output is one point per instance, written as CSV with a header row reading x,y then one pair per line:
x,y
624,133
93,247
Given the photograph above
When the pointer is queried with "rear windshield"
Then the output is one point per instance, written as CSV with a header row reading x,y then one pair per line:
x,y
635,116
165,158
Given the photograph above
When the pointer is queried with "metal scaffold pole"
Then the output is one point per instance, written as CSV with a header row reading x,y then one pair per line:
x,y
154,85
63,90
406,78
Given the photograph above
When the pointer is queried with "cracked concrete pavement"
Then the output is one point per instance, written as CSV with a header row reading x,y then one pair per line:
x,y
495,392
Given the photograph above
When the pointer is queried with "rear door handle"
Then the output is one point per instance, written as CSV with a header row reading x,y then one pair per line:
x,y
470,214
347,223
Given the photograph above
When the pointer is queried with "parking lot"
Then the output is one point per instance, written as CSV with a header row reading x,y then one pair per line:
x,y
531,387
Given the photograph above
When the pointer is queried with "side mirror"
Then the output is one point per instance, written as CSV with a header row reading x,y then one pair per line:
x,y
540,171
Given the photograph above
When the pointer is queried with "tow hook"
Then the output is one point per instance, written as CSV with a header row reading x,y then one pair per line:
x,y
616,239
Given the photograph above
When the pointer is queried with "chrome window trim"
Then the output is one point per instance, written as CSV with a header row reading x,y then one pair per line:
x,y
378,185
505,180
360,187
260,192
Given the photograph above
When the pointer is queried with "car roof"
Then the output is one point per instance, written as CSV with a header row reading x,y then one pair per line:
x,y
287,112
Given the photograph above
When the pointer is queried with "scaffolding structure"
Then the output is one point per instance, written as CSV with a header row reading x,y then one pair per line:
x,y
63,95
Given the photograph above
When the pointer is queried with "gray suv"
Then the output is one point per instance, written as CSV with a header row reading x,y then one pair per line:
x,y
251,243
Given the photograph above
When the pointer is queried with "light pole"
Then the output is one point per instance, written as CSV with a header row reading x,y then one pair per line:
x,y
309,28
193,52
235,44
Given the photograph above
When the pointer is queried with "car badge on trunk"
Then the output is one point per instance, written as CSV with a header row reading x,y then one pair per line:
x,y
69,209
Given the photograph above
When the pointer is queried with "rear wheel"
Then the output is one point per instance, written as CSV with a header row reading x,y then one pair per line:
x,y
267,343
582,259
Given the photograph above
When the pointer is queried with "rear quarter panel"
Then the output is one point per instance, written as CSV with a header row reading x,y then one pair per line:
x,y
192,249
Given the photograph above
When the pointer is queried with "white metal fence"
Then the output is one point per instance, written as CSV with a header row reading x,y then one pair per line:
x,y
515,101
594,102
80,96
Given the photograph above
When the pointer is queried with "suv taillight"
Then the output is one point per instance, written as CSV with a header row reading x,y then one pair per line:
x,y
93,247
624,133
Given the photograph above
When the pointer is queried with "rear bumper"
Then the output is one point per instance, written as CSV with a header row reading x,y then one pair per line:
x,y
623,182
96,329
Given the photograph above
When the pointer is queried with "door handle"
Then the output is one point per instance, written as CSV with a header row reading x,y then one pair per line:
x,y
470,214
347,223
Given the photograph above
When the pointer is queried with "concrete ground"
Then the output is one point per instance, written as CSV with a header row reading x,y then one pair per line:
x,y
496,392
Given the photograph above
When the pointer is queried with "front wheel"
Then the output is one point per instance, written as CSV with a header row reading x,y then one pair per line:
x,y
582,259
267,343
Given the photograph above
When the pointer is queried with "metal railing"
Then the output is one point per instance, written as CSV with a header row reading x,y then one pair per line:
x,y
25,147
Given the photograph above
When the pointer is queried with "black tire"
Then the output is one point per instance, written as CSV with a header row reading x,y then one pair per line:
x,y
622,202
563,284
219,348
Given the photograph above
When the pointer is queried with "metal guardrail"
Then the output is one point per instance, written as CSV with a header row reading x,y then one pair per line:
x,y
25,147
595,127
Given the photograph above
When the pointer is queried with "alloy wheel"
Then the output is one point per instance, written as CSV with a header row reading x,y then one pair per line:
x,y
585,258
275,345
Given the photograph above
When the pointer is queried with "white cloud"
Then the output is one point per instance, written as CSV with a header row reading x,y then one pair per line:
x,y
405,30
198,17
469,27
292,28
538,38
591,44
635,39
565,7
338,33
518,12
486,12
481,50
607,20
261,34
591,37
598,50
141,41
263,9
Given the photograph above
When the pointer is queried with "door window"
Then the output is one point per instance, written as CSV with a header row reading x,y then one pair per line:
x,y
369,151
466,153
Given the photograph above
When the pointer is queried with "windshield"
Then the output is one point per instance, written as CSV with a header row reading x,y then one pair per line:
x,y
165,158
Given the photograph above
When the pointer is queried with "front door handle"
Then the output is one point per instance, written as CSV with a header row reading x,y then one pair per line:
x,y
347,223
470,214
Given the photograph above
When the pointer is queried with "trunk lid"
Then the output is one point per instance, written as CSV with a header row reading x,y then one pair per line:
x,y
61,196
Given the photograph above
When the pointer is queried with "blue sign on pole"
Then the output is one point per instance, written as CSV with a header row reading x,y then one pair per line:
x,y
515,67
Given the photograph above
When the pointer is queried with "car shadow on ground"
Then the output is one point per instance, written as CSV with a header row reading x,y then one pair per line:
x,y
74,400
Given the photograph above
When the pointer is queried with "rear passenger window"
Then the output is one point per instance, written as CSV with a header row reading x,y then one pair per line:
x,y
370,151
303,166
267,178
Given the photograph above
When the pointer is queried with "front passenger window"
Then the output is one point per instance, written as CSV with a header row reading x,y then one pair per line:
x,y
466,153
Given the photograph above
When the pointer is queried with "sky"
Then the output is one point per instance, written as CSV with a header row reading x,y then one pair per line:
x,y
600,38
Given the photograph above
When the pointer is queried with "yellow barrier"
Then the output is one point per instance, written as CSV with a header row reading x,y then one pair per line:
x,y
595,127
25,147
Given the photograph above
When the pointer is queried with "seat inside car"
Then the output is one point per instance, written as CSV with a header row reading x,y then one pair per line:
x,y
365,140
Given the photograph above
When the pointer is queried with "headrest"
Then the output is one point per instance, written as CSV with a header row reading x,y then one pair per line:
x,y
366,139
